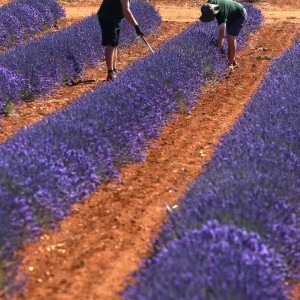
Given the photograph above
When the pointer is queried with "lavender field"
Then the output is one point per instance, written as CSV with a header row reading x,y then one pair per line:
x,y
235,233
77,149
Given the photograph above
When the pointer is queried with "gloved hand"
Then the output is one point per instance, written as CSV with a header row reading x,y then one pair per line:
x,y
138,30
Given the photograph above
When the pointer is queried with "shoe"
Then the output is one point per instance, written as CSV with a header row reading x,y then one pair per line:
x,y
234,63
111,75
230,67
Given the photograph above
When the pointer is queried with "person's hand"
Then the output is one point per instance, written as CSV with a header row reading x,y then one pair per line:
x,y
138,30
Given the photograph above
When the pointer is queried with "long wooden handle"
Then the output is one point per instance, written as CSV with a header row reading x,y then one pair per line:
x,y
148,45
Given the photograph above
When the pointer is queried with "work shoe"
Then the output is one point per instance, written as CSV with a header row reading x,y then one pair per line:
x,y
111,75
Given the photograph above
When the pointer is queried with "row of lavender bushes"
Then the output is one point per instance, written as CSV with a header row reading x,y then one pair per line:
x,y
21,19
41,65
236,232
51,165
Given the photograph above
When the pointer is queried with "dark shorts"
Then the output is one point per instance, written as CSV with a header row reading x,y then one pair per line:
x,y
110,32
234,27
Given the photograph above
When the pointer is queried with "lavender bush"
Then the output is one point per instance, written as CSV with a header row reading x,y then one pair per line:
x,y
58,57
21,19
214,263
13,82
54,163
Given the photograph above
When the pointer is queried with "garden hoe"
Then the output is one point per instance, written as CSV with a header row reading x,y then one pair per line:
x,y
148,45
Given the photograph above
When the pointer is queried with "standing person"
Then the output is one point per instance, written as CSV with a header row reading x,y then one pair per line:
x,y
230,15
110,14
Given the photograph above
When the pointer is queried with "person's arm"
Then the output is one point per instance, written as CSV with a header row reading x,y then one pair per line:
x,y
222,28
129,16
127,13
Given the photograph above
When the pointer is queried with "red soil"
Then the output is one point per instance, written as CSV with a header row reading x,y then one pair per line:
x,y
105,238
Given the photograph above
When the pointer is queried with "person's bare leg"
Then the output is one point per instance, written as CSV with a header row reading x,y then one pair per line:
x,y
109,57
115,58
231,48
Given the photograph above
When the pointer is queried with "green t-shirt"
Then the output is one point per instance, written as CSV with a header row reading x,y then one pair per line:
x,y
228,10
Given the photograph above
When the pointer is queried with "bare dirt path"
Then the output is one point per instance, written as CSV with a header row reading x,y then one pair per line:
x,y
178,13
168,13
106,236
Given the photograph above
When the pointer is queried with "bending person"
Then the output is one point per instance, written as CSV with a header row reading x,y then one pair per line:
x,y
230,15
